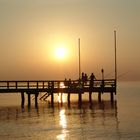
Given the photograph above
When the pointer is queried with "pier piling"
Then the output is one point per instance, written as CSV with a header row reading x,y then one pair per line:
x,y
29,100
79,97
52,100
90,97
99,96
111,96
36,103
22,99
68,98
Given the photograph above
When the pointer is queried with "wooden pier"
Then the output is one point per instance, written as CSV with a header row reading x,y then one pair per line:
x,y
62,86
49,88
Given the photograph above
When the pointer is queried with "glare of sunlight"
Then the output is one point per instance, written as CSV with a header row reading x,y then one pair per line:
x,y
63,124
61,51
63,121
61,96
62,85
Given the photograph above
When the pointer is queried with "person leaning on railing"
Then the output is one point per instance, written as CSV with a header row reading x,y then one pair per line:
x,y
92,78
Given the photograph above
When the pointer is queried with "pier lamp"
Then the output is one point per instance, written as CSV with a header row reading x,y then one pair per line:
x,y
102,70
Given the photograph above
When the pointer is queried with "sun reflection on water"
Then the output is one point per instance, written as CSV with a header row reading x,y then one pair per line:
x,y
63,124
61,96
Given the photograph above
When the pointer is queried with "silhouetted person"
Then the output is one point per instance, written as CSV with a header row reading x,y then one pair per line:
x,y
92,78
69,83
103,83
83,78
66,82
86,77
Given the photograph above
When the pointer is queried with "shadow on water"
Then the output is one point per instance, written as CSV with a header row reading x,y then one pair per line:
x,y
8,113
62,121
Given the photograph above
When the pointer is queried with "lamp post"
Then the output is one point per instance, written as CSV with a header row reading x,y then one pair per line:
x,y
102,70
80,84
115,46
79,59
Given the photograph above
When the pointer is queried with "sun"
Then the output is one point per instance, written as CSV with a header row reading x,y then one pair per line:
x,y
60,52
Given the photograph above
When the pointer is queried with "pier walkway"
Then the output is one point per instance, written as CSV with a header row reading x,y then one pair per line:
x,y
59,86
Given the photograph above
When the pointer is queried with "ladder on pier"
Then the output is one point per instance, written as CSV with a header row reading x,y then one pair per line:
x,y
45,96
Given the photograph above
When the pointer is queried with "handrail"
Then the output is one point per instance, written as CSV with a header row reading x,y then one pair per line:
x,y
40,84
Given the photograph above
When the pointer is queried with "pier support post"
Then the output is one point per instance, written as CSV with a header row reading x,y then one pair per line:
x,y
61,98
29,100
52,100
22,99
111,96
99,96
36,103
68,98
90,97
80,98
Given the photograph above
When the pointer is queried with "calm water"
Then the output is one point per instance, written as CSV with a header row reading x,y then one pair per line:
x,y
99,121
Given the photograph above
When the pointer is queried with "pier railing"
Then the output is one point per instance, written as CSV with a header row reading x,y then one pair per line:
x,y
7,85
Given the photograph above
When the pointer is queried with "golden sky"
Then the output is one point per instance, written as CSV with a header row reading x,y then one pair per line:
x,y
31,30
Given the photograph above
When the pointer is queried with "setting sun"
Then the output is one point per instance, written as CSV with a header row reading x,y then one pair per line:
x,y
60,52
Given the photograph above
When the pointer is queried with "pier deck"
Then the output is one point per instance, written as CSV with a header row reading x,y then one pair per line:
x,y
60,86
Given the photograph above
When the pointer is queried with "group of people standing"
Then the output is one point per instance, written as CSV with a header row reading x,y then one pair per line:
x,y
85,77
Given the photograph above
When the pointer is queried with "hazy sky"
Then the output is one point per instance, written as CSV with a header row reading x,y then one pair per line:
x,y
30,30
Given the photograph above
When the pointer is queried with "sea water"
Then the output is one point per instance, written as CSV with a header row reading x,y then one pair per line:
x,y
103,120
